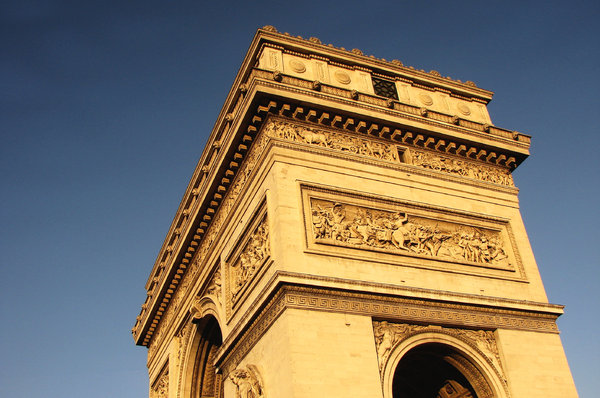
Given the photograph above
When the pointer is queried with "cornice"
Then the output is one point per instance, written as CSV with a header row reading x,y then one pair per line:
x,y
417,121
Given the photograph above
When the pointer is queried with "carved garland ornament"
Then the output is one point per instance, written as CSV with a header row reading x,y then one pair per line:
x,y
343,224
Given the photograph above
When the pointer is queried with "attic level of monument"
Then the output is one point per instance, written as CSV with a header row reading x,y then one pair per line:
x,y
356,205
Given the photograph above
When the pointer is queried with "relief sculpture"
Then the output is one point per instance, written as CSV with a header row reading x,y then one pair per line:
x,y
161,387
248,383
349,225
461,168
214,287
257,249
331,140
388,335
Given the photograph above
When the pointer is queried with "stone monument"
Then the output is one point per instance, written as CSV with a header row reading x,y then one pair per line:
x,y
352,229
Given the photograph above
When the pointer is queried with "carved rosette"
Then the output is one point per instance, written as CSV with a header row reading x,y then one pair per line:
x,y
389,335
401,232
248,382
249,261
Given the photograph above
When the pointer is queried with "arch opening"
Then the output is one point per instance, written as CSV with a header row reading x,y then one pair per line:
x,y
430,371
207,381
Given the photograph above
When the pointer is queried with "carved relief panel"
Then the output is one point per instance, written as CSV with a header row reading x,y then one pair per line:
x,y
247,262
160,388
459,167
409,234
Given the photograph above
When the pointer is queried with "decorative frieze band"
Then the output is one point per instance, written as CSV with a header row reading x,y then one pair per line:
x,y
332,140
451,165
401,309
385,151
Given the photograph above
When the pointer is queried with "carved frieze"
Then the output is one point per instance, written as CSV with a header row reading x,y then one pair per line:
x,y
405,232
345,143
386,151
388,335
451,165
248,383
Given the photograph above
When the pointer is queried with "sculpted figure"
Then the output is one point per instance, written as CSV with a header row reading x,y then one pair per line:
x,y
400,234
313,137
247,383
363,228
338,223
384,340
435,241
321,224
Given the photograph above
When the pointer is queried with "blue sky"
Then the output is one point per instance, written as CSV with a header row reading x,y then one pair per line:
x,y
105,108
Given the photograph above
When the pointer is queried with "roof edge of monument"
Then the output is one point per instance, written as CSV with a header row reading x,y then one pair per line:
x,y
431,78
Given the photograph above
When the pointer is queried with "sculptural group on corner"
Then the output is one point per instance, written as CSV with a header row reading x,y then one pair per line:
x,y
339,223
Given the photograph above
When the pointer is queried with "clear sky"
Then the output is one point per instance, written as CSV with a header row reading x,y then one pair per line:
x,y
105,107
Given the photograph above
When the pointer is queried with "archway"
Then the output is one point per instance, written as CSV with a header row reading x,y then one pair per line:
x,y
429,361
429,371
206,381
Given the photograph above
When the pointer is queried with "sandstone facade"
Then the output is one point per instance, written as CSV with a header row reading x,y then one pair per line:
x,y
352,229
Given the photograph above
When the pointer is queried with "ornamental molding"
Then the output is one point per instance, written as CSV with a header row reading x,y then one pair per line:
x,y
388,154
391,308
393,108
184,339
